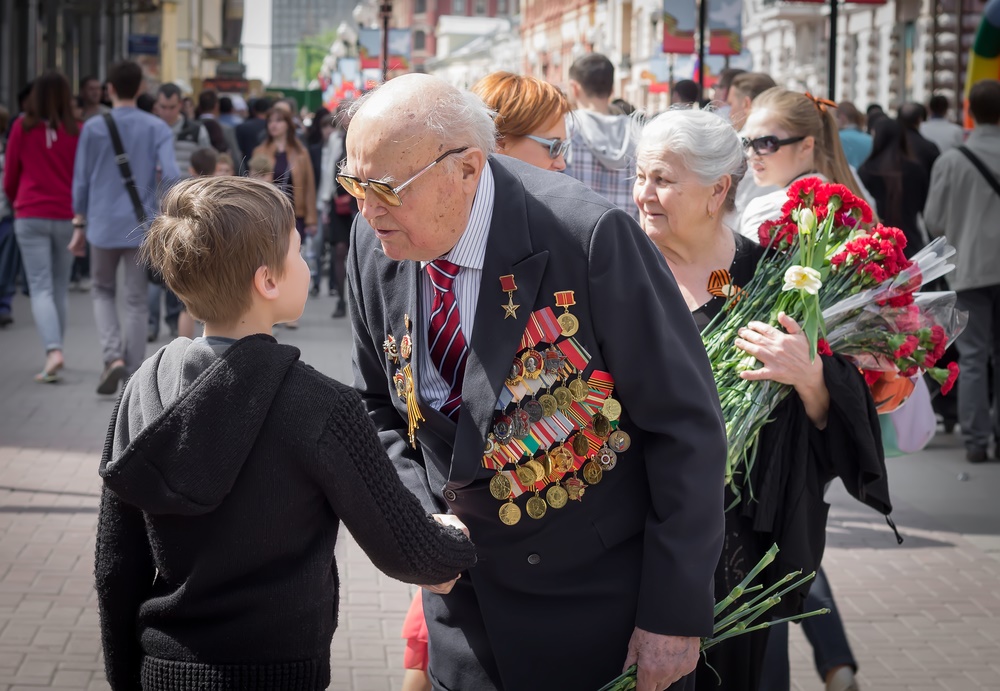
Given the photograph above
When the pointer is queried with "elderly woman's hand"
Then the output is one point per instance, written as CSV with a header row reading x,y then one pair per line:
x,y
785,359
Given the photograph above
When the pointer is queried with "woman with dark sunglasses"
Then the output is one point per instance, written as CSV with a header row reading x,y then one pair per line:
x,y
789,136
530,121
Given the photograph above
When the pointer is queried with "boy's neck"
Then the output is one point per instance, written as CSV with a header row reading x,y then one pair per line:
x,y
246,326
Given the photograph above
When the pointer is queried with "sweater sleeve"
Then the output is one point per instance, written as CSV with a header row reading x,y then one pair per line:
x,y
12,164
938,198
123,573
387,521
81,171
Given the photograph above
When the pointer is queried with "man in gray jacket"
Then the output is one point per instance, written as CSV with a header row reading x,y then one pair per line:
x,y
963,203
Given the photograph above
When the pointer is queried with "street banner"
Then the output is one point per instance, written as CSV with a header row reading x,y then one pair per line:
x,y
658,74
680,22
725,21
370,41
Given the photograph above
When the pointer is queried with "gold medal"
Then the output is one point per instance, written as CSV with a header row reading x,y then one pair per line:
x,y
508,286
567,322
557,496
578,389
592,473
546,463
611,409
526,474
510,513
564,399
575,488
500,487
581,447
549,404
538,469
602,426
536,506
619,441
533,363
562,459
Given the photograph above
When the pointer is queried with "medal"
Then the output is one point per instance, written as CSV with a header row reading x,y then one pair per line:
x,y
578,389
526,474
533,363
516,372
490,446
534,410
607,458
581,447
564,399
549,404
390,348
602,426
553,360
413,415
510,513
508,286
611,409
538,469
556,496
521,425
562,459
500,486
575,488
406,347
592,473
619,441
399,379
502,429
567,322
536,506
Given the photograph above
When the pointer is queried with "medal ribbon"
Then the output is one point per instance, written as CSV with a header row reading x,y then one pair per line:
x,y
507,284
564,298
575,353
602,381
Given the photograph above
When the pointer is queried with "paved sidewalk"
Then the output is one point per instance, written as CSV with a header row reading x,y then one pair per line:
x,y
920,616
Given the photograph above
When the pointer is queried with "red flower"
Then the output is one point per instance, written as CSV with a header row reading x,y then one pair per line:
x,y
823,348
779,234
904,300
907,349
952,378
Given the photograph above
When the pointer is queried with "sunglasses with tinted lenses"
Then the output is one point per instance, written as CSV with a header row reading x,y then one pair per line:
x,y
768,144
556,147
385,192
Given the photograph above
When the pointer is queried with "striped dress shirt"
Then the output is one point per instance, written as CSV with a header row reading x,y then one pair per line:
x,y
469,253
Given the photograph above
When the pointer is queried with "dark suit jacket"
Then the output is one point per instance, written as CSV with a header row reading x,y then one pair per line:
x,y
641,547
249,134
922,149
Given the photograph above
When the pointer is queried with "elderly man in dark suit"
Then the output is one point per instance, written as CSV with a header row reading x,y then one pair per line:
x,y
536,378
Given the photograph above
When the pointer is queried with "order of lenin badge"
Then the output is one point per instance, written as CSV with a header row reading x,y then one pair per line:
x,y
567,321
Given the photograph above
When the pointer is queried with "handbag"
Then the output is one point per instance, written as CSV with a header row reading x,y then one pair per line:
x,y
911,426
121,158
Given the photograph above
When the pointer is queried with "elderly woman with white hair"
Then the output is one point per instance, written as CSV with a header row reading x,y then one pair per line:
x,y
688,165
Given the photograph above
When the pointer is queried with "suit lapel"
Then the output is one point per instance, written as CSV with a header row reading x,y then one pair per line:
x,y
495,340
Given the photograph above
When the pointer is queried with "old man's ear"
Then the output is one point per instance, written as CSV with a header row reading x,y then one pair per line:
x,y
472,162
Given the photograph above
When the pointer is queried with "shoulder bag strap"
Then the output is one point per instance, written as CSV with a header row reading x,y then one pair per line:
x,y
987,175
121,158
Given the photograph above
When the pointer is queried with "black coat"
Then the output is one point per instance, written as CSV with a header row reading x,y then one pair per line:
x,y
222,500
640,547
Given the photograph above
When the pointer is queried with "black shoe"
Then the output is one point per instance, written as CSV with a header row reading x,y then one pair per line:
x,y
976,455
331,292
6,319
314,291
341,310
110,379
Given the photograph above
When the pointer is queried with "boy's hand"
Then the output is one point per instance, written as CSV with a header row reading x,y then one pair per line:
x,y
454,522
78,245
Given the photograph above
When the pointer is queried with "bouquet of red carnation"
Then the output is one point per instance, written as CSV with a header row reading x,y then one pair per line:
x,y
833,271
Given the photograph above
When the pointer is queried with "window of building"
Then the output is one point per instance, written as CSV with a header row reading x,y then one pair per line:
x,y
481,8
421,7
501,6
458,7
419,40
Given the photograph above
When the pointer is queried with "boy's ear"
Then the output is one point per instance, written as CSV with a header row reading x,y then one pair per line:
x,y
264,284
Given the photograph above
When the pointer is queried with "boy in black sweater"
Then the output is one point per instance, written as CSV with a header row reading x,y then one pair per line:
x,y
229,465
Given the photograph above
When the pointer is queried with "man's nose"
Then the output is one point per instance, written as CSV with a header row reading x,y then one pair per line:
x,y
372,207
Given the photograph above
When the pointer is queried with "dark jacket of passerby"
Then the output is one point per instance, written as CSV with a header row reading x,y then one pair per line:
x,y
227,469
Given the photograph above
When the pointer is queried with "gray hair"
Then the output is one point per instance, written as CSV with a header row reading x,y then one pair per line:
x,y
452,116
708,145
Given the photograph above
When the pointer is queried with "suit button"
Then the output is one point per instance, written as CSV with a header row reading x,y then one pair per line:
x,y
450,495
534,559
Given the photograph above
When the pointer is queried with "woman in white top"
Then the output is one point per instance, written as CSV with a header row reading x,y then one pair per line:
x,y
790,136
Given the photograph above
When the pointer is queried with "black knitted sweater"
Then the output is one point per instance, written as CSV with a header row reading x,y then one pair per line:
x,y
225,481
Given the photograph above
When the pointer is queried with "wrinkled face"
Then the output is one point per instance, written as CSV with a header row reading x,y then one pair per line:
x,y
277,127
294,283
671,200
535,153
435,207
91,92
785,164
168,109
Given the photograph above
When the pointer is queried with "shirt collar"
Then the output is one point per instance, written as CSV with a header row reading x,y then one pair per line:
x,y
470,250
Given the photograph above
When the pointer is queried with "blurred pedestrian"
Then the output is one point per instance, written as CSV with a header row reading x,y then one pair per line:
x,y
317,136
946,135
251,132
856,142
260,168
684,93
224,166
91,93
337,207
743,90
873,114
222,136
227,114
911,116
10,256
38,179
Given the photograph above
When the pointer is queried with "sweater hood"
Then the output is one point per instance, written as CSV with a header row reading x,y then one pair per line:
x,y
187,422
609,137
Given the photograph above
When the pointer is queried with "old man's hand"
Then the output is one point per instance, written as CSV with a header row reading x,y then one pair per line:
x,y
454,522
661,660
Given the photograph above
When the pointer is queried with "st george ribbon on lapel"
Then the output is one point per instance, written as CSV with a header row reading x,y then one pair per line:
x,y
447,343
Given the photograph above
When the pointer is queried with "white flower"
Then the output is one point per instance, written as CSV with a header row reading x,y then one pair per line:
x,y
802,278
807,221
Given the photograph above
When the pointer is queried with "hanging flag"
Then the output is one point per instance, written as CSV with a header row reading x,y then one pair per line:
x,y
725,20
658,74
370,42
680,22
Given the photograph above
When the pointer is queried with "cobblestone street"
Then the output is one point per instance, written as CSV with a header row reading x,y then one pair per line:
x,y
922,615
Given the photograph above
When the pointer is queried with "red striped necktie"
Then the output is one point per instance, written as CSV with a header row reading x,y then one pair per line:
x,y
444,333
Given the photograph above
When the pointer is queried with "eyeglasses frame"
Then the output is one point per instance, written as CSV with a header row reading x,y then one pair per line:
x,y
563,145
778,143
386,187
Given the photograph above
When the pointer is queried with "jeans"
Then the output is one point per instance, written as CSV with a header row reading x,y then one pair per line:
x,y
174,306
978,343
103,268
10,263
825,633
47,261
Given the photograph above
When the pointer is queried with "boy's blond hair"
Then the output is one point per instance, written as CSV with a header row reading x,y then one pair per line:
x,y
210,238
225,159
260,165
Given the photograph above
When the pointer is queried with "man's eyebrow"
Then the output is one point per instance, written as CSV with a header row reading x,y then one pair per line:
x,y
385,178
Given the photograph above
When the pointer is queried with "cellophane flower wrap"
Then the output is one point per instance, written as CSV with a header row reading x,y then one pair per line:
x,y
851,288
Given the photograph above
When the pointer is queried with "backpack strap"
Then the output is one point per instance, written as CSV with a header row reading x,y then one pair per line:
x,y
121,158
981,167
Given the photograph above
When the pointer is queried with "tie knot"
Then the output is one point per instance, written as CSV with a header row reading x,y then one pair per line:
x,y
442,274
